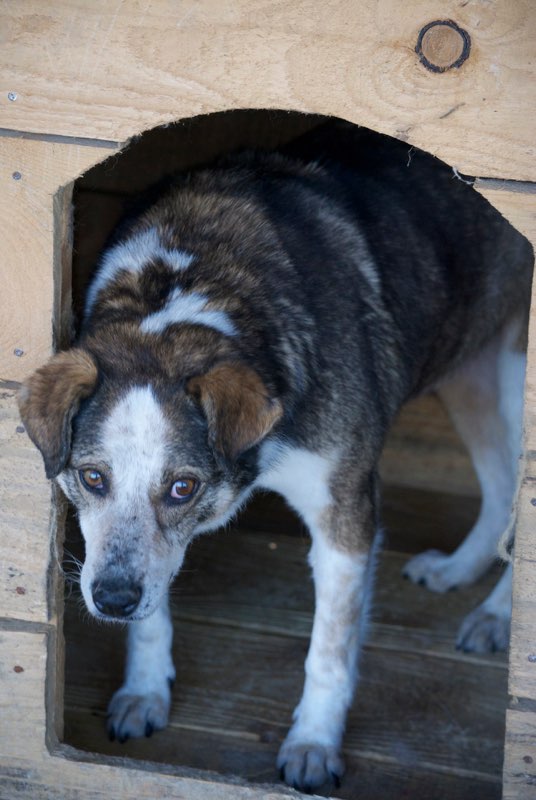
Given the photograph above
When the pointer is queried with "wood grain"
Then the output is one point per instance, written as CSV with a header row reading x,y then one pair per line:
x,y
25,511
29,770
519,779
32,260
242,612
109,70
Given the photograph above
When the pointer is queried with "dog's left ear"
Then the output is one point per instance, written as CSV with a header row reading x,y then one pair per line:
x,y
237,405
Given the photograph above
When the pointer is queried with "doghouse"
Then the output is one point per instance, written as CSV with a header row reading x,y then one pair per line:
x,y
86,87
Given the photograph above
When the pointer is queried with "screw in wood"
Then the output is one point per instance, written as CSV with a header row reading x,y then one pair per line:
x,y
12,96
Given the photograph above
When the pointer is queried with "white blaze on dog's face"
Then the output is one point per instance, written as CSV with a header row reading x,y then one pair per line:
x,y
115,488
143,485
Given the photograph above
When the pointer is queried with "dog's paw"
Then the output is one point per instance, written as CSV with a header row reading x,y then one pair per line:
x,y
435,570
308,765
131,715
484,631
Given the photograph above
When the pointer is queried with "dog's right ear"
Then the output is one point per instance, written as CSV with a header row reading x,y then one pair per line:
x,y
49,400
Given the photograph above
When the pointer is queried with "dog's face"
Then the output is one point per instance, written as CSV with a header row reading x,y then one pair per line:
x,y
148,466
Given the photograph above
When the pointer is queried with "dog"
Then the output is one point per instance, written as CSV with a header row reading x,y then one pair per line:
x,y
259,325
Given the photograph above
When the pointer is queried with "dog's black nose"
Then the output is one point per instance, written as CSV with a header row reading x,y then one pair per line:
x,y
115,598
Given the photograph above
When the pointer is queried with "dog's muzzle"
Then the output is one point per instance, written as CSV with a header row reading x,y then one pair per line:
x,y
115,598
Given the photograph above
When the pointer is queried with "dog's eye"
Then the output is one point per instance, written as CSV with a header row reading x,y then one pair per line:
x,y
92,479
183,489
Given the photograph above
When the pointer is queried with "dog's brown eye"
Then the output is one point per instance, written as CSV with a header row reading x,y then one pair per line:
x,y
92,479
183,489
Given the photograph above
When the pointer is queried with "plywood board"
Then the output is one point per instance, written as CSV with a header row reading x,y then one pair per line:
x,y
519,769
25,510
33,172
110,70
29,770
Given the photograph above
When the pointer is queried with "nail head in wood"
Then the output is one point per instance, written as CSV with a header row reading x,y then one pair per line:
x,y
443,45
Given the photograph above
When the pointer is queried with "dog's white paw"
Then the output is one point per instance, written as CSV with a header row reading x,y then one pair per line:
x,y
435,570
308,765
484,631
131,715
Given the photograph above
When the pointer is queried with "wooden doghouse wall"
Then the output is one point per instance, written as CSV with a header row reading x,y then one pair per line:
x,y
78,79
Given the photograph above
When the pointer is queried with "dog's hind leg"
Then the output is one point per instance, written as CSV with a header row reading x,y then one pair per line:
x,y
142,704
485,400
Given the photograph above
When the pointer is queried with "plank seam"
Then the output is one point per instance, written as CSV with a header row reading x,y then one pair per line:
x,y
56,138
505,185
525,704
15,625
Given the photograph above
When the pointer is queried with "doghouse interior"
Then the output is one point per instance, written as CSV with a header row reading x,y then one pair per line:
x,y
427,721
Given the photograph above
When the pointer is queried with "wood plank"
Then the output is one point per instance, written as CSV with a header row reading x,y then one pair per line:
x,y
242,611
22,698
120,68
244,684
520,208
256,761
33,260
520,783
25,520
29,770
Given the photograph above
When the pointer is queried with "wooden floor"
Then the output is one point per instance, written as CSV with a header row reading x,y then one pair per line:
x,y
427,722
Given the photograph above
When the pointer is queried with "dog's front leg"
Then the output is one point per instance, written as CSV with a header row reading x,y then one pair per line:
x,y
142,703
310,755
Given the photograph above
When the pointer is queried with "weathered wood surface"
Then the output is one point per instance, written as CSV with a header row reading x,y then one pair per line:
x,y
520,759
428,721
33,173
109,70
29,770
25,509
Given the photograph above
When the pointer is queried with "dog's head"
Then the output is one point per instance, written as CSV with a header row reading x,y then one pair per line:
x,y
148,465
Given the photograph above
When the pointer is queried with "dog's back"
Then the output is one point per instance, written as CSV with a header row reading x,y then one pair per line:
x,y
348,259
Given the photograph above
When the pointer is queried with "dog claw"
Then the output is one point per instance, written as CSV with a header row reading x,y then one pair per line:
x,y
111,734
123,738
422,581
149,729
282,773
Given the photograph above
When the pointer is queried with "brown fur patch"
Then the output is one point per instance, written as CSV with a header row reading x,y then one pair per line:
x,y
239,411
50,398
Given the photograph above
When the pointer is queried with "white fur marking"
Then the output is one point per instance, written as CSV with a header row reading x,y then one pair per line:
x,y
145,697
191,307
341,580
133,443
135,438
134,254
301,476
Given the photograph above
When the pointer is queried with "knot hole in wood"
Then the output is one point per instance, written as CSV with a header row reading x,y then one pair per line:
x,y
442,45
